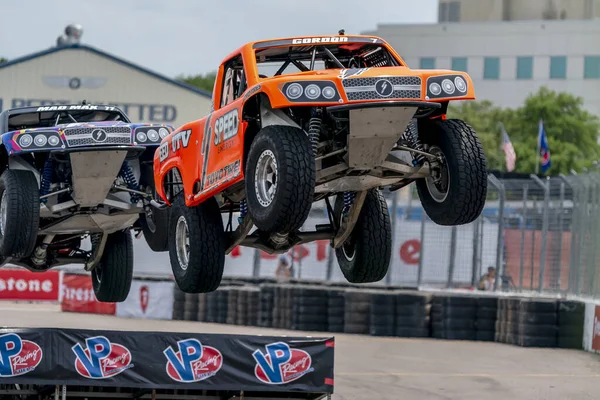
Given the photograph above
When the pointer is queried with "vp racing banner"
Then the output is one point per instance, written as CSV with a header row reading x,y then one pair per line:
x,y
156,360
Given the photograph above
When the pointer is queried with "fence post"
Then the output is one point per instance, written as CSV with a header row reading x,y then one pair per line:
x,y
546,187
500,244
452,260
394,215
474,261
560,234
594,235
421,253
574,222
523,229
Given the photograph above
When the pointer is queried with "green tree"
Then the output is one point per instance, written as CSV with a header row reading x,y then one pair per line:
x,y
3,60
201,81
572,131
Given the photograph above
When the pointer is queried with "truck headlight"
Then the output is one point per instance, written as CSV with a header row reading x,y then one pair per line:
x,y
25,140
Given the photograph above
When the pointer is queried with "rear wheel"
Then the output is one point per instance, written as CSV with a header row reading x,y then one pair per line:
x,y
196,245
19,213
280,179
154,222
365,256
111,278
455,192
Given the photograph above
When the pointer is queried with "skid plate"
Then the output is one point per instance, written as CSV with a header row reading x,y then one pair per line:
x,y
94,173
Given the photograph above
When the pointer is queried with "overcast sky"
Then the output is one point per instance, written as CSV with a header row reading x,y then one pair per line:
x,y
191,36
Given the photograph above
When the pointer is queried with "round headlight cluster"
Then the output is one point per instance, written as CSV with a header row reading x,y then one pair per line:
x,y
54,140
460,84
141,137
328,92
294,91
163,132
435,89
153,135
312,91
448,86
25,140
40,140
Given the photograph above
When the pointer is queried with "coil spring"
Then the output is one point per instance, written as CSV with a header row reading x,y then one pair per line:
x,y
243,208
348,201
314,131
46,178
412,136
126,173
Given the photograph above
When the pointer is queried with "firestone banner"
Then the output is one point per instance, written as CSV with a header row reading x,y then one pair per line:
x,y
156,360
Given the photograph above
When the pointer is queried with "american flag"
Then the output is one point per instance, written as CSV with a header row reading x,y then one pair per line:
x,y
509,151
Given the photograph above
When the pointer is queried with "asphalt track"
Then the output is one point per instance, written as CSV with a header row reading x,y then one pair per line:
x,y
390,368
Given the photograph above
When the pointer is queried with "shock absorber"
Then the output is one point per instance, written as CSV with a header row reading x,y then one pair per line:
x,y
46,180
243,210
412,136
126,173
348,201
314,128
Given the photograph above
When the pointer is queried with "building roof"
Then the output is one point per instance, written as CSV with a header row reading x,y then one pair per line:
x,y
111,57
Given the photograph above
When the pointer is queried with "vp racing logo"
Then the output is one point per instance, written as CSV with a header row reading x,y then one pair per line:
x,y
18,356
281,364
192,362
100,358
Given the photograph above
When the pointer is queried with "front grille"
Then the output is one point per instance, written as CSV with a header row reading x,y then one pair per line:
x,y
404,87
83,136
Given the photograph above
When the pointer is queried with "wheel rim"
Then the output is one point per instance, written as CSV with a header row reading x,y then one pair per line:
x,y
182,241
265,178
3,213
438,183
349,246
98,273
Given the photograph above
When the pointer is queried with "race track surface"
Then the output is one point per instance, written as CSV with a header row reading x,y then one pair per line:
x,y
390,368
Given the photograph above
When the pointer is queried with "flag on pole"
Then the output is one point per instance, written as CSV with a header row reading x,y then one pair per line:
x,y
543,149
509,151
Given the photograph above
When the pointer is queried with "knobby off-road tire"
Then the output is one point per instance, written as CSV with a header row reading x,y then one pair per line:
x,y
157,237
196,245
19,213
112,276
462,199
280,179
366,254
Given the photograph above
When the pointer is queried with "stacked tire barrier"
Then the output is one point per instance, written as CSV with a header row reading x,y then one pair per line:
x,y
357,318
571,317
485,324
336,302
454,317
309,309
413,310
307,306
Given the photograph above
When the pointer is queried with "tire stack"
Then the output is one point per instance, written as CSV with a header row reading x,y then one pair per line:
x,y
201,307
453,317
383,313
211,307
282,308
538,323
413,311
242,306
267,297
335,309
178,303
571,315
222,304
487,312
501,320
357,311
248,304
309,310
512,321
190,307
232,305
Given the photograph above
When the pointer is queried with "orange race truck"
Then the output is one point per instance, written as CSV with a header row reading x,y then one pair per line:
x,y
299,120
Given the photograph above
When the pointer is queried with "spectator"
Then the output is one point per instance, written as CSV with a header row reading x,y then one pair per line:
x,y
487,280
284,269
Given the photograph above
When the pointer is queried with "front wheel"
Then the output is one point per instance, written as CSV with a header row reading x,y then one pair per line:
x,y
112,277
280,179
455,192
196,245
19,213
365,256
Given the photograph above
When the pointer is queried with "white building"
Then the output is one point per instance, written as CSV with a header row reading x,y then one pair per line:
x,y
75,72
507,59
